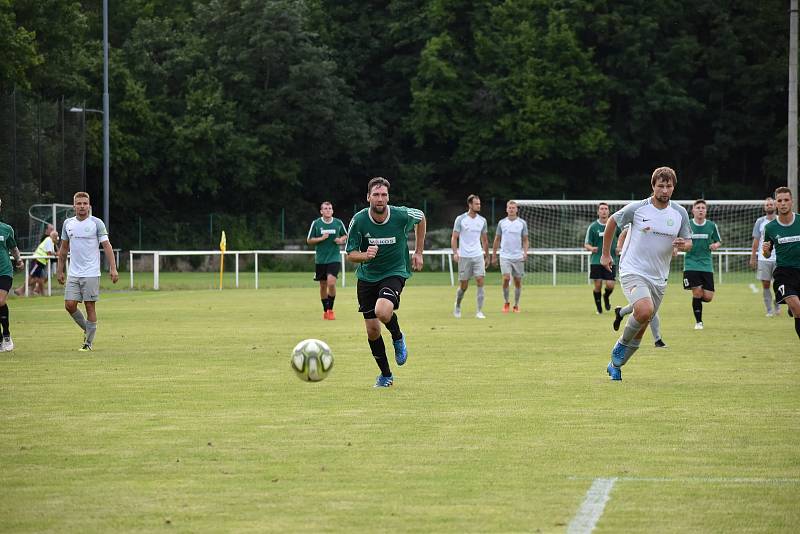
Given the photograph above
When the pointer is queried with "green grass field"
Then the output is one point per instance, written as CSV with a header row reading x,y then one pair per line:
x,y
187,417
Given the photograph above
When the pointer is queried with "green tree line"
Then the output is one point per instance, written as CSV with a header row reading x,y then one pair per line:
x,y
250,108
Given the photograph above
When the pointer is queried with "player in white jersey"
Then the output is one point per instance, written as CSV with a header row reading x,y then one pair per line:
x,y
470,244
764,266
657,225
512,238
81,238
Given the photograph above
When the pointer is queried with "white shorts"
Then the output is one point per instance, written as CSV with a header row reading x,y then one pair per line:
x,y
515,268
765,270
471,268
82,288
637,287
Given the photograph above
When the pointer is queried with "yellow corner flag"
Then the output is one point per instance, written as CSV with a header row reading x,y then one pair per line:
x,y
223,244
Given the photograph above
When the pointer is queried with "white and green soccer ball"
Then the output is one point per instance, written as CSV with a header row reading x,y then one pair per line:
x,y
312,360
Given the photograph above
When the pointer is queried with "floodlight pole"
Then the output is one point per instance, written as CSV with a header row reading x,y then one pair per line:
x,y
106,147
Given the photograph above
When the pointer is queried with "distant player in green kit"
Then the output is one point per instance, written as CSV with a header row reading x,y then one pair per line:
x,y
8,246
378,242
698,268
782,237
326,234
594,244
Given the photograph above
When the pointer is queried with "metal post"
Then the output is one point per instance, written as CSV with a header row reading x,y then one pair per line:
x,y
155,271
236,261
106,148
792,125
555,272
256,254
130,264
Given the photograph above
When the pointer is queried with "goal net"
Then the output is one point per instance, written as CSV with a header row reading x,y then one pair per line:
x,y
39,217
557,230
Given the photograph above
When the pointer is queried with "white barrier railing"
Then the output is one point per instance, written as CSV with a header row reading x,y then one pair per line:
x,y
722,255
157,254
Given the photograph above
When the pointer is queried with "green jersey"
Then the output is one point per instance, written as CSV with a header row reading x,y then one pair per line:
x,y
785,239
391,236
327,251
7,244
699,257
594,237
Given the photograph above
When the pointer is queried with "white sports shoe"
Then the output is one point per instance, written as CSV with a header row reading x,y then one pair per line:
x,y
770,314
457,312
8,344
480,315
698,326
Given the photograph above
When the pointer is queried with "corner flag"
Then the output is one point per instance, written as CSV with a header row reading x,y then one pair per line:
x,y
222,246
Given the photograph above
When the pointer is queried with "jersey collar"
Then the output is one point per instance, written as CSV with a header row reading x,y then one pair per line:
x,y
388,214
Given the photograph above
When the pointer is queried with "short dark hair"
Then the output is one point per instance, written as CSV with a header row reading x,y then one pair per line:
x,y
376,182
325,202
471,198
783,189
699,201
664,173
602,204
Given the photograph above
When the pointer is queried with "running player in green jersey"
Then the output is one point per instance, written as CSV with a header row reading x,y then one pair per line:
x,y
783,236
326,234
594,244
8,247
698,269
378,242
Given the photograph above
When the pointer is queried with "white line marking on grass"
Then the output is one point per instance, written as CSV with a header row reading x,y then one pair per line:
x,y
592,507
704,480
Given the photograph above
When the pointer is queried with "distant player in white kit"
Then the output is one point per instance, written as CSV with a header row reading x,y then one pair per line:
x,y
765,267
657,225
81,237
512,238
470,244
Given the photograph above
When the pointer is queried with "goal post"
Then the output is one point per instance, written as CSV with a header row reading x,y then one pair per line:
x,y
557,230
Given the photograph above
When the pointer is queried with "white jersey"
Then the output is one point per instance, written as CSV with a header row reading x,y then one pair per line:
x,y
758,232
469,231
511,234
648,247
84,245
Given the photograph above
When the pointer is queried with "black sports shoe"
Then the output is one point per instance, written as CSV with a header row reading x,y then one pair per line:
x,y
617,318
660,344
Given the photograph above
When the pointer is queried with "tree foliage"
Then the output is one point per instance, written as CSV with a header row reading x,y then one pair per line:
x,y
247,108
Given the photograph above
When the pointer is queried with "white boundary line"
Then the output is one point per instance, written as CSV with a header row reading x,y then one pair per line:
x,y
703,480
592,507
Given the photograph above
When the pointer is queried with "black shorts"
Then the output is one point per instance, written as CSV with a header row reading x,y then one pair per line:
x,y
370,292
702,279
598,272
5,283
786,283
37,270
324,269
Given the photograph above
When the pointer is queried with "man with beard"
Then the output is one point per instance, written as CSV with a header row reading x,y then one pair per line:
x,y
470,244
657,225
378,242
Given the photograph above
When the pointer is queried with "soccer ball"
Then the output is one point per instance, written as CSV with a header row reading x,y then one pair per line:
x,y
312,360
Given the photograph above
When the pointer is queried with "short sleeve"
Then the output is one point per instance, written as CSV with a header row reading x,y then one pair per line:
x,y
625,215
685,229
102,233
353,236
457,224
524,227
757,229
